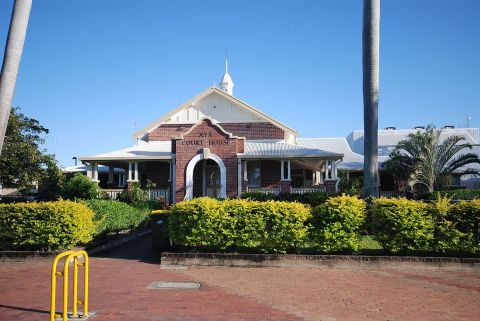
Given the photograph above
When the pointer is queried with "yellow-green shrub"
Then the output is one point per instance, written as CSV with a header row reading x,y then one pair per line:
x,y
446,235
266,226
45,226
403,224
336,224
466,217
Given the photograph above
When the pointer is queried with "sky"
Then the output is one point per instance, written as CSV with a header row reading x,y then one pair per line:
x,y
94,72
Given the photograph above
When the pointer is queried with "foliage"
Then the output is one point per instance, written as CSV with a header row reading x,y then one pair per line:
x,y
336,224
134,194
352,186
23,161
424,159
52,181
79,187
446,236
312,199
460,194
402,224
466,217
234,223
45,226
114,216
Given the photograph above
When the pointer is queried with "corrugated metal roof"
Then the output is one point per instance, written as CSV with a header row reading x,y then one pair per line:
x,y
144,151
280,149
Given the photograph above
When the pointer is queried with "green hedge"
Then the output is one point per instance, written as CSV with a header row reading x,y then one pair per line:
x,y
465,216
460,194
79,187
336,224
233,223
402,224
312,199
114,216
45,226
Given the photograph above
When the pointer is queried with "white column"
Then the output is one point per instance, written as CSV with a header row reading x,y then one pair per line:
x,y
289,170
239,177
129,172
348,176
95,172
110,174
326,170
136,171
245,172
89,171
334,170
282,170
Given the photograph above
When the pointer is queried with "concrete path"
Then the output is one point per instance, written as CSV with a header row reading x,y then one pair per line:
x,y
120,279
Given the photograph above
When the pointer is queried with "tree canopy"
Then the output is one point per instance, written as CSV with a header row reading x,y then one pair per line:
x,y
24,160
428,159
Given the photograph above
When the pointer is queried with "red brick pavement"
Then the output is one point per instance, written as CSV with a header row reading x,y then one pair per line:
x,y
119,292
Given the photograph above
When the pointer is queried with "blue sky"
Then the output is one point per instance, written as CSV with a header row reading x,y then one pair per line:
x,y
92,69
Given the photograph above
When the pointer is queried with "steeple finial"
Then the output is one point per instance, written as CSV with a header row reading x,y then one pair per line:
x,y
226,83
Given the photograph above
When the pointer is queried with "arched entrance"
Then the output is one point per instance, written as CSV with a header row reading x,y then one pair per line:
x,y
205,177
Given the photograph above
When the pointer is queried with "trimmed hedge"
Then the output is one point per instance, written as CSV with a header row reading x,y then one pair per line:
x,y
402,224
79,187
45,226
460,194
312,199
466,218
336,224
234,223
115,216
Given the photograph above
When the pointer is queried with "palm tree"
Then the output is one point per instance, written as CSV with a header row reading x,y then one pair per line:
x,y
371,52
425,159
11,60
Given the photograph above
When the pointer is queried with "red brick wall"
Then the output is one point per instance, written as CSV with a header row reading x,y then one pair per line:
x,y
206,135
262,130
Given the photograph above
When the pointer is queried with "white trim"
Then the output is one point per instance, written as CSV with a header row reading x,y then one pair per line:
x,y
189,175
239,177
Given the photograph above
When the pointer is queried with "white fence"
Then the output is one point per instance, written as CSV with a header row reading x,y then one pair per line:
x,y
274,191
392,194
296,190
152,194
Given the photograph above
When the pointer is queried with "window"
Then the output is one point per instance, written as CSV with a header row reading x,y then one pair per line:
x,y
253,173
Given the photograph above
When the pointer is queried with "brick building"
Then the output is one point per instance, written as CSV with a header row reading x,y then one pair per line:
x,y
217,145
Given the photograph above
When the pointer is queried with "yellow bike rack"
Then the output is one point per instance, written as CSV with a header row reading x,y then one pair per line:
x,y
70,256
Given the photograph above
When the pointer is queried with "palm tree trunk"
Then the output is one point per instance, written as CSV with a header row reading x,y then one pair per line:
x,y
371,52
11,61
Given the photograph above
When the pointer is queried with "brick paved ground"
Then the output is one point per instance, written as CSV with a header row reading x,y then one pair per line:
x,y
119,292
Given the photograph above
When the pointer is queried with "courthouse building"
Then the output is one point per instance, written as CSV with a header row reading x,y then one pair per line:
x,y
218,145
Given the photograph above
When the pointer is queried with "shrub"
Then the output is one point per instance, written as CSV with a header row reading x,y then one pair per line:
x,y
466,217
446,236
266,226
134,194
114,216
79,186
460,194
45,226
336,224
403,224
312,199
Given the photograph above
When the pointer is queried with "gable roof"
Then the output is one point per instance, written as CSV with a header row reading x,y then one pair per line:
x,y
192,102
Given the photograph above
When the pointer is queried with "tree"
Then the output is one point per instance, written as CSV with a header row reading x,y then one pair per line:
x,y
425,158
11,61
370,63
23,161
79,186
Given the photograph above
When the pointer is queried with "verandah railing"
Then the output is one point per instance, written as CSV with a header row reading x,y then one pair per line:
x,y
152,194
295,190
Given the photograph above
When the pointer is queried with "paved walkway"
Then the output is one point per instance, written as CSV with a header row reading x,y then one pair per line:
x,y
120,279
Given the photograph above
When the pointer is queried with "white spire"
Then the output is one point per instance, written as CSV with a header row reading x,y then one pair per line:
x,y
226,83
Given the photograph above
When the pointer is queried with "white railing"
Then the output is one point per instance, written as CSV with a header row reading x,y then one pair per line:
x,y
306,190
155,194
152,194
112,192
274,191
390,194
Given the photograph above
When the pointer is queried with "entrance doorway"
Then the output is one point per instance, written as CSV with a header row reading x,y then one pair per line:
x,y
206,179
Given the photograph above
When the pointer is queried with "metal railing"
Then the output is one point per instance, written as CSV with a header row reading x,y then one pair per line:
x,y
274,191
70,256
